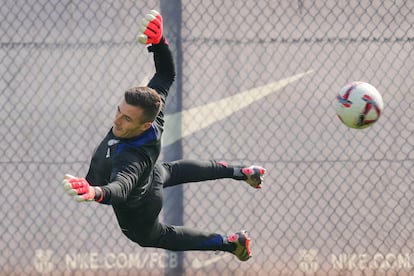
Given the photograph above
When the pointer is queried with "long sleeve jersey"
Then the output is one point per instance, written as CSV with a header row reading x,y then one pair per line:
x,y
124,168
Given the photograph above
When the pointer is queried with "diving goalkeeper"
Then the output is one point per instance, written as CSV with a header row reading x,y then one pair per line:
x,y
124,171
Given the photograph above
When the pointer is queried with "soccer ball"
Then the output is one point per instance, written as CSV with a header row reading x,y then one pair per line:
x,y
359,105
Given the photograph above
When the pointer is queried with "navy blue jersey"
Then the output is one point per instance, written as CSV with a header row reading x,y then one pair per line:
x,y
124,168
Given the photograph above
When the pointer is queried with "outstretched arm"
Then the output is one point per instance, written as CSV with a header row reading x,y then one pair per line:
x,y
151,32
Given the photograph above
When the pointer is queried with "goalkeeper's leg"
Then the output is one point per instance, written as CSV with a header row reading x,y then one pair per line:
x,y
185,171
143,227
181,238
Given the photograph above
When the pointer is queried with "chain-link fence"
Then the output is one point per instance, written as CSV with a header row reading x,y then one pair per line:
x,y
256,83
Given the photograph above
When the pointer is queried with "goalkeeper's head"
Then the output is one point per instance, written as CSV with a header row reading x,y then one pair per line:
x,y
136,112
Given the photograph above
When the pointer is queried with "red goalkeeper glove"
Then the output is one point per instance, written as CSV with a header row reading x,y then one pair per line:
x,y
150,31
80,189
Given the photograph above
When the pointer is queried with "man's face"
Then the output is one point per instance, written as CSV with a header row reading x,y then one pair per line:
x,y
128,121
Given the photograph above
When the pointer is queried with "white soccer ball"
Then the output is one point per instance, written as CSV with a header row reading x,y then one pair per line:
x,y
359,104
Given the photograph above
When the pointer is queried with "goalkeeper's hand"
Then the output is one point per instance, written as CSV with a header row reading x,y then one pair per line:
x,y
150,30
80,189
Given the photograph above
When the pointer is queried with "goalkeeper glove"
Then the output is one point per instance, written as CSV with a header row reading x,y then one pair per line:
x,y
80,189
150,31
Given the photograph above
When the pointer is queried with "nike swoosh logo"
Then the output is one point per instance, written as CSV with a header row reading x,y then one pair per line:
x,y
197,264
113,142
173,122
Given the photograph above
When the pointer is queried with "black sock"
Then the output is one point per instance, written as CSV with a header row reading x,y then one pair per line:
x,y
237,174
228,246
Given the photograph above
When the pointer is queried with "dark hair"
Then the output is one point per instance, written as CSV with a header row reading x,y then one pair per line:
x,y
146,98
